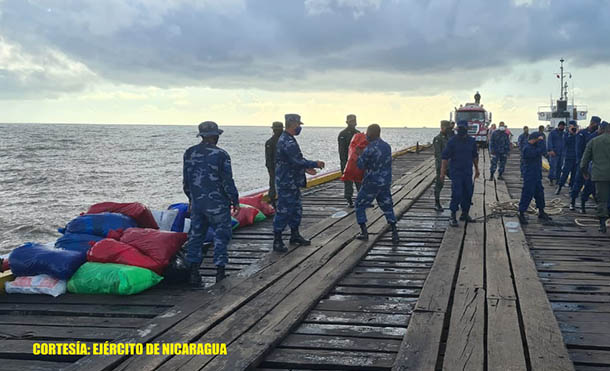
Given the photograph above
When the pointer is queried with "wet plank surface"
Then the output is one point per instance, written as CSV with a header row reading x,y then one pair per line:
x,y
102,317
572,263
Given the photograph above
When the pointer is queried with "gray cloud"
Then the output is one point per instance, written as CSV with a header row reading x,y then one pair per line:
x,y
394,45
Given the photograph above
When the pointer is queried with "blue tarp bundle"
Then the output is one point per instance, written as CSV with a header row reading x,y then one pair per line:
x,y
32,259
76,241
98,224
182,208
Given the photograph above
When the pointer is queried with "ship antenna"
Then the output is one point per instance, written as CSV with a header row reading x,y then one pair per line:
x,y
561,74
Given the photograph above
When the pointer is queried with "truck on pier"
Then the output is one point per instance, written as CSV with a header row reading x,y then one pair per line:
x,y
478,119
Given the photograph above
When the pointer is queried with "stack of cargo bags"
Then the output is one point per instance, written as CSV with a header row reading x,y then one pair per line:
x,y
116,248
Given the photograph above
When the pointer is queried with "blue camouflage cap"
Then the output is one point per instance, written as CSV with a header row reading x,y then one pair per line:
x,y
292,117
596,119
462,123
208,129
572,123
603,125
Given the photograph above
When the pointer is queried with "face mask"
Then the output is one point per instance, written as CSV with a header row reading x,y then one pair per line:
x,y
462,130
560,129
502,128
594,128
297,131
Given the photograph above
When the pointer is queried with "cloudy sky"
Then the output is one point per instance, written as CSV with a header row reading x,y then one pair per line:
x,y
396,62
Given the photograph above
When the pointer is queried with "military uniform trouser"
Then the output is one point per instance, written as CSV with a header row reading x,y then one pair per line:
x,y
522,167
348,185
603,196
580,183
288,211
570,166
438,184
200,222
369,192
555,165
501,158
272,192
462,188
532,188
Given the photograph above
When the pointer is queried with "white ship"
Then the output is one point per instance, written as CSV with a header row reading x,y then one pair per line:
x,y
560,110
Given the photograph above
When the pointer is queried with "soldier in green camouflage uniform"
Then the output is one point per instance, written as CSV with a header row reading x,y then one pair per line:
x,y
439,143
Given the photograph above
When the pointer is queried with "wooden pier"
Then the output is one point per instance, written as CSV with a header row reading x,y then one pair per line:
x,y
489,295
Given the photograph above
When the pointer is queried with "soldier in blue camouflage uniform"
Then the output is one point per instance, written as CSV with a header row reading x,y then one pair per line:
x,y
290,168
499,148
376,161
208,184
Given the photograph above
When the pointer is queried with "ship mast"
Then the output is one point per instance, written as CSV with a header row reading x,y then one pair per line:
x,y
564,86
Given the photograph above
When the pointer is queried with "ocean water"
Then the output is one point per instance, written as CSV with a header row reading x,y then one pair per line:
x,y
50,173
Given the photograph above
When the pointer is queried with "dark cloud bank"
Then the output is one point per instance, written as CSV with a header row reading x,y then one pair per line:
x,y
388,45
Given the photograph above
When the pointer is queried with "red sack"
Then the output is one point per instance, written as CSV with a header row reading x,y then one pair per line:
x,y
161,246
247,215
352,172
113,251
258,203
140,213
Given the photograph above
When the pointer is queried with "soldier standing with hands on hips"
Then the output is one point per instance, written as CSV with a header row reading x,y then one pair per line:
x,y
290,169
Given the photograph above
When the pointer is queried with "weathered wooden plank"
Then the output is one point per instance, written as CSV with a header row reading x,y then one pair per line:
x,y
466,338
357,318
591,357
346,343
30,365
543,337
373,332
83,310
420,347
75,321
504,343
300,358
66,332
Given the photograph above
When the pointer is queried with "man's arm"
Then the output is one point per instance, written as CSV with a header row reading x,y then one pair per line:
x,y
362,159
343,148
475,159
294,155
228,184
185,182
587,156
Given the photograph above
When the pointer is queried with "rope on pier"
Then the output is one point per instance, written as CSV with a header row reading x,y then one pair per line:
x,y
511,208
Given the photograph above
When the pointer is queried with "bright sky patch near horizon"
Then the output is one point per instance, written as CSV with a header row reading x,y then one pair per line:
x,y
247,62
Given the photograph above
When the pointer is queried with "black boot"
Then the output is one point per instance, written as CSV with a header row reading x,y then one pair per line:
x,y
523,218
395,238
573,204
500,177
194,276
350,203
466,218
297,239
364,233
453,221
558,191
491,178
437,205
551,181
220,273
602,225
583,209
544,216
278,244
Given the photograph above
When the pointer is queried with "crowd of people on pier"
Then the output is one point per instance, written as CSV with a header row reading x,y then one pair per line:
x,y
210,188
582,156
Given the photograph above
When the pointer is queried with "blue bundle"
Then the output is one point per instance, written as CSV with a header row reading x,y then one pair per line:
x,y
98,224
32,259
